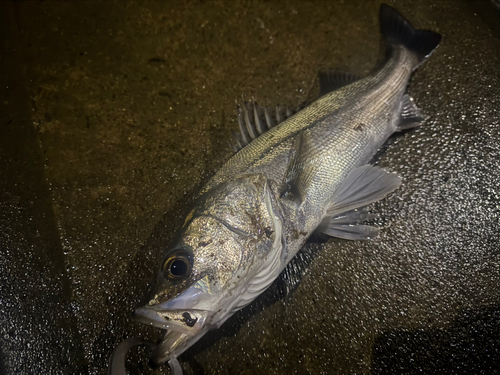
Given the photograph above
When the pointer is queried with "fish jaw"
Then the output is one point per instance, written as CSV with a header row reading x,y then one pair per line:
x,y
185,314
184,328
188,322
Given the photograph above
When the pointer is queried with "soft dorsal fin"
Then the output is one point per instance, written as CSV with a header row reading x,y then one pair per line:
x,y
254,120
331,80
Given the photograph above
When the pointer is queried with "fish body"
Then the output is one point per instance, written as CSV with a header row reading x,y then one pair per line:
x,y
308,173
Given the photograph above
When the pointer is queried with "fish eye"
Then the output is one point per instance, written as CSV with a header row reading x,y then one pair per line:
x,y
177,267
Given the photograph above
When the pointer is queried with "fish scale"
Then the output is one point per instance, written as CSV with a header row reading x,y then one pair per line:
x,y
265,153
338,145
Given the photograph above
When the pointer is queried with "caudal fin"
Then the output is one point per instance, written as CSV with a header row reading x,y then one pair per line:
x,y
396,30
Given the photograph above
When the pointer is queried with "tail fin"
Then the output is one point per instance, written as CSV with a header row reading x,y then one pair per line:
x,y
396,30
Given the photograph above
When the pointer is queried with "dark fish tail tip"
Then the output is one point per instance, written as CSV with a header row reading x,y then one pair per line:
x,y
397,30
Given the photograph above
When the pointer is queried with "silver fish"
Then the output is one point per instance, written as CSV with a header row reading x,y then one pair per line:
x,y
292,175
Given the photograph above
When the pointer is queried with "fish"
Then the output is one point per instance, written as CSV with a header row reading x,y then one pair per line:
x,y
294,173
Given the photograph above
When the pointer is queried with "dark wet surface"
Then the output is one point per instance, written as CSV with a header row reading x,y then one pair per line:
x,y
114,113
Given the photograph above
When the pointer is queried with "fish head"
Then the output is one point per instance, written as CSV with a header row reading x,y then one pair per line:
x,y
227,240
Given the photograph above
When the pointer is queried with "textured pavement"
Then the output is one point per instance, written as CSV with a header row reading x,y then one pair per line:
x,y
113,115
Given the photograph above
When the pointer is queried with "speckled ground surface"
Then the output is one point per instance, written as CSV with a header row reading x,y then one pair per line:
x,y
114,113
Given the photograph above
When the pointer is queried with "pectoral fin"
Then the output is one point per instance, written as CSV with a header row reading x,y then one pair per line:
x,y
297,176
290,188
364,185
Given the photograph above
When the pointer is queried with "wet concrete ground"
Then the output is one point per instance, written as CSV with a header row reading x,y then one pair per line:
x,y
114,113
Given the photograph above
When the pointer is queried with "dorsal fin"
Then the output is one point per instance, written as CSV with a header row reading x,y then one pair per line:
x,y
331,80
254,120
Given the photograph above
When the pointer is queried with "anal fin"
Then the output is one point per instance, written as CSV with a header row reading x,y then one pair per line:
x,y
410,116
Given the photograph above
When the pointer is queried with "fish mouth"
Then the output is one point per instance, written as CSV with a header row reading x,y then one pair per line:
x,y
188,322
183,327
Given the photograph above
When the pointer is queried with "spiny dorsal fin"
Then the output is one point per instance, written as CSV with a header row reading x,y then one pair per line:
x,y
331,80
254,120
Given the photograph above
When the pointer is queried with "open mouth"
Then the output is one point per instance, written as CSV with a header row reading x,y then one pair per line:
x,y
182,321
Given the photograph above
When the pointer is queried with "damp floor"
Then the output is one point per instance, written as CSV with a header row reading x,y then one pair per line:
x,y
114,113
